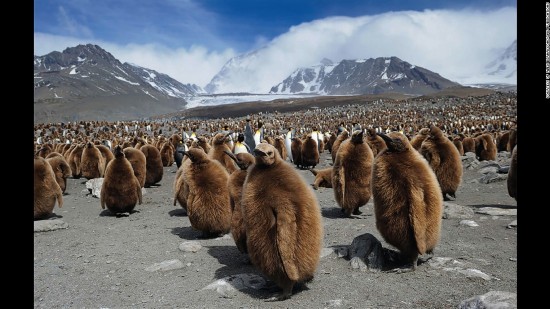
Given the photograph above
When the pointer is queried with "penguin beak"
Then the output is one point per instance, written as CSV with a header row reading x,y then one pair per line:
x,y
186,153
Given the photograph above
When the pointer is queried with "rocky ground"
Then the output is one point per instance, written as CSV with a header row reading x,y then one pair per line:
x,y
86,258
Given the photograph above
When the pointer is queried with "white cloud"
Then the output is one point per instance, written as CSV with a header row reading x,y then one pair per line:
x,y
455,44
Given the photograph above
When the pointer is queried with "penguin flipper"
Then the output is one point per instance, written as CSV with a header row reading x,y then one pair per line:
x,y
417,217
286,240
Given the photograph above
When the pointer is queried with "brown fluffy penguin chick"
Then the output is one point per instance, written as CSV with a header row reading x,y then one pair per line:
x,y
167,154
296,149
203,143
330,142
469,144
138,161
106,152
208,203
417,140
502,140
235,184
61,169
444,159
280,146
310,152
351,174
458,144
120,191
408,204
92,162
486,148
153,165
74,160
512,140
283,221
375,142
323,177
512,181
339,139
217,152
46,189
181,190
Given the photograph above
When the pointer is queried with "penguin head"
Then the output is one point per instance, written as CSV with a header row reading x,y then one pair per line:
x,y
357,136
196,155
435,132
243,159
395,141
118,152
265,154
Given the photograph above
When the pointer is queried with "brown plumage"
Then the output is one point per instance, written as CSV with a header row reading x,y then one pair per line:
x,y
375,142
106,152
296,149
92,162
351,174
283,221
417,140
502,141
330,142
74,160
138,161
512,140
280,146
408,204
61,169
181,189
444,159
339,139
46,189
310,152
235,184
486,148
512,181
469,144
153,165
217,152
167,154
120,191
208,202
458,144
323,177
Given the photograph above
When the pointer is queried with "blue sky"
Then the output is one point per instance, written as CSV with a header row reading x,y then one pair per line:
x,y
176,36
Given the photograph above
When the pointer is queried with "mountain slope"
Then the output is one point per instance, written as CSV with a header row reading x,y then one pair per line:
x,y
86,78
370,76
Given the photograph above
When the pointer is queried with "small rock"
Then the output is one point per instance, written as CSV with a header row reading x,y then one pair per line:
x,y
493,211
491,300
326,252
190,246
469,223
94,186
49,225
454,211
512,224
228,286
165,265
470,272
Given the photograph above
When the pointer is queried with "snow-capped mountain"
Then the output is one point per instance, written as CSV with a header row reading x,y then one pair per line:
x,y
506,65
236,70
363,76
500,73
86,78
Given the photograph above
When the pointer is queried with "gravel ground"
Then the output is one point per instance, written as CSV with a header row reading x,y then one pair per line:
x,y
97,260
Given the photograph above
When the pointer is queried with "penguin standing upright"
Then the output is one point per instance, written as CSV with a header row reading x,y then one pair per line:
x,y
259,133
240,146
288,143
249,135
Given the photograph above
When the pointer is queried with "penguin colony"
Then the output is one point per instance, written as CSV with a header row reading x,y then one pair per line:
x,y
275,203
